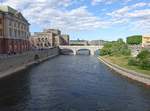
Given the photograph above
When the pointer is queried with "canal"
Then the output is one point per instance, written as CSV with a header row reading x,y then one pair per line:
x,y
72,83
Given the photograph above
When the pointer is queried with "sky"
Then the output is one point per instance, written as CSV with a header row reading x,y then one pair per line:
x,y
87,19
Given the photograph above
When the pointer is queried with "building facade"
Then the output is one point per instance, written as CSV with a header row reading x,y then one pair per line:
x,y
146,41
14,31
42,40
47,39
65,39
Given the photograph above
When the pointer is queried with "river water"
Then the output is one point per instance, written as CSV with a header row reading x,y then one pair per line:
x,y
72,83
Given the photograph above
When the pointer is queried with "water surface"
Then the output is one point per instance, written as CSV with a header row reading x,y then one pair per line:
x,y
72,83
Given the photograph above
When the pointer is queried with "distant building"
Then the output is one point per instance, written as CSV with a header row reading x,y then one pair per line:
x,y
56,36
14,31
66,39
47,39
42,40
97,42
146,41
78,42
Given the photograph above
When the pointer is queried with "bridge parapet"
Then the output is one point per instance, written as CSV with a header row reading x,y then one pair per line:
x,y
76,48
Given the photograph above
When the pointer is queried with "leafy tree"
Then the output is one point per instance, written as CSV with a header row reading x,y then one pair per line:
x,y
136,39
115,48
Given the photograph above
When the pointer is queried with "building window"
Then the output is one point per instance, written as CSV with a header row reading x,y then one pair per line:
x,y
18,25
10,32
18,32
10,23
15,32
1,32
39,39
15,24
0,21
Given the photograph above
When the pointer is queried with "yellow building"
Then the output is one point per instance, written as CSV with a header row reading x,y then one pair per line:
x,y
146,40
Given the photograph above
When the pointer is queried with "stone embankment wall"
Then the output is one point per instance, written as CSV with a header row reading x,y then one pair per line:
x,y
12,64
128,73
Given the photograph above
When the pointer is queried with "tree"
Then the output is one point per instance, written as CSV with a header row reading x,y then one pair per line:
x,y
115,48
136,39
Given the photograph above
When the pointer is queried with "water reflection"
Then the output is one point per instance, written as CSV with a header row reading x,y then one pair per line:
x,y
72,83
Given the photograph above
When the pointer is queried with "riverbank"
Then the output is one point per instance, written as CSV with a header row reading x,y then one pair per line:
x,y
15,64
140,77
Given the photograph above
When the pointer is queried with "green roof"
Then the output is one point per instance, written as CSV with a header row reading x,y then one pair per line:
x,y
8,9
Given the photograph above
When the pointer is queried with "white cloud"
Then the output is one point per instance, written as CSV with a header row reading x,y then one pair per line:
x,y
96,2
135,15
52,13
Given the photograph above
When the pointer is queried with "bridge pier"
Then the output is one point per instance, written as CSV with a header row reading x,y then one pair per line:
x,y
74,52
92,52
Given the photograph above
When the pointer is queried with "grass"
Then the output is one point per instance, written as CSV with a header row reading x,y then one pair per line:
x,y
123,62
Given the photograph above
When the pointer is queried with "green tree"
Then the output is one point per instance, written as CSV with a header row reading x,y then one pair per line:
x,y
135,39
115,48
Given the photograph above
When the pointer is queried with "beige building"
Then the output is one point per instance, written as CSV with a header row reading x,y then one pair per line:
x,y
47,39
14,31
146,41
66,39
42,40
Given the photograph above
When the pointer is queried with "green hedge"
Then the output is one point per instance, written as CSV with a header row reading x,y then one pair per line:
x,y
136,39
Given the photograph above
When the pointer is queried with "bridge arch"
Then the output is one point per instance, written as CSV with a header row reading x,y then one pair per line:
x,y
79,51
67,51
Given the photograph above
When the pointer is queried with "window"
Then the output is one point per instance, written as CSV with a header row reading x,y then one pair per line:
x,y
15,24
10,23
18,25
0,21
39,39
15,32
1,32
18,32
10,32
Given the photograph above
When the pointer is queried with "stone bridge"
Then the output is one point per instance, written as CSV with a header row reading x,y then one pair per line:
x,y
74,49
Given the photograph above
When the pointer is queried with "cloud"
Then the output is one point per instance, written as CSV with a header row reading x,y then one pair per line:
x,y
97,2
135,15
53,13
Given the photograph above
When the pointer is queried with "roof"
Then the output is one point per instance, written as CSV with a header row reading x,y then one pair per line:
x,y
8,9
146,36
5,8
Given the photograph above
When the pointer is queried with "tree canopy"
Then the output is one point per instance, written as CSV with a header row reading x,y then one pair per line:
x,y
135,39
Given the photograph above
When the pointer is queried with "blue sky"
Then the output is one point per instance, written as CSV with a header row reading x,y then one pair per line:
x,y
87,19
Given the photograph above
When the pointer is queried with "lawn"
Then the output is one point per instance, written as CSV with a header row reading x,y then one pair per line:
x,y
123,62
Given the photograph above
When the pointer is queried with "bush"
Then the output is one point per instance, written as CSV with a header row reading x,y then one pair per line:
x,y
144,54
142,60
133,61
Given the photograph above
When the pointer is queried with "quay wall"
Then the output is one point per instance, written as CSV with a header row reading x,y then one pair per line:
x,y
14,63
142,78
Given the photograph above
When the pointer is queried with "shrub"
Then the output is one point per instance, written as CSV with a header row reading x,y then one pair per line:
x,y
133,61
145,64
142,60
144,54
